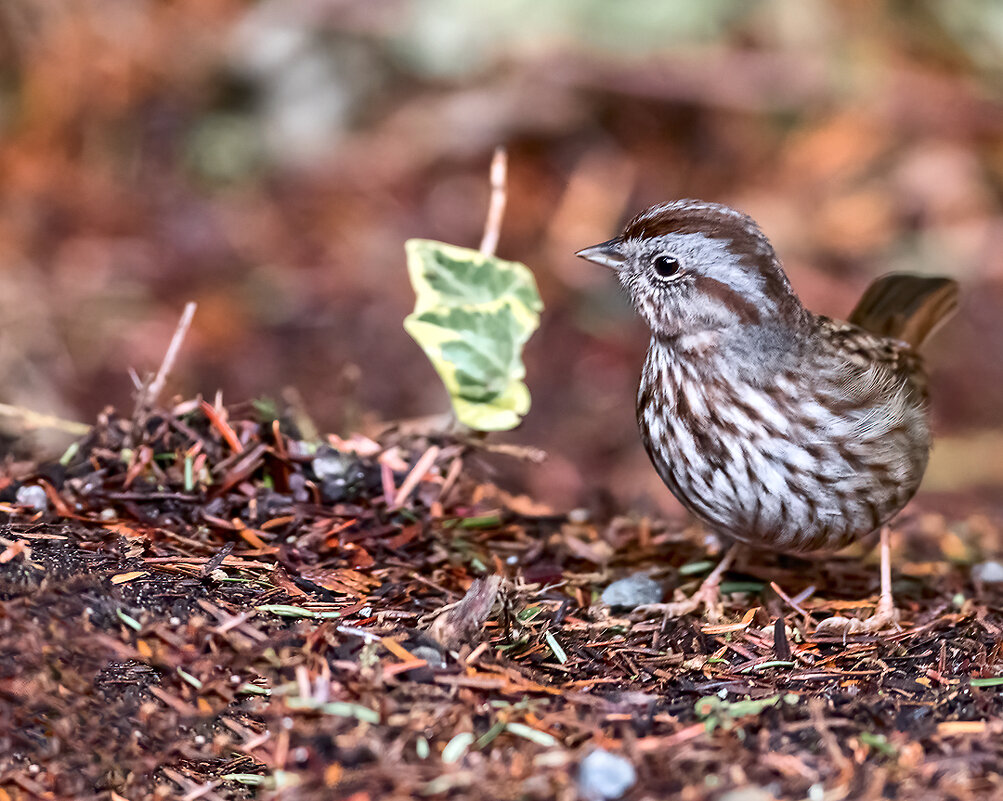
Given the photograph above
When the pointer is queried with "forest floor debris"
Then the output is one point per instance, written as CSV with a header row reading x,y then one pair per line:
x,y
210,608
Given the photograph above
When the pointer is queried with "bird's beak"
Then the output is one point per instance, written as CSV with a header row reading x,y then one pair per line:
x,y
608,254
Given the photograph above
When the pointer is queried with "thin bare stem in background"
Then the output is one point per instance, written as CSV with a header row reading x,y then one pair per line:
x,y
148,397
496,206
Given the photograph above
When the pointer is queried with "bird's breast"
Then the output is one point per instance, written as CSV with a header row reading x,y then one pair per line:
x,y
791,462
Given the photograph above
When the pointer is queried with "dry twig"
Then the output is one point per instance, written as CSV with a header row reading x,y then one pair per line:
x,y
31,419
149,395
496,206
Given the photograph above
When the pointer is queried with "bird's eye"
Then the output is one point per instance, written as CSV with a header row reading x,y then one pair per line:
x,y
666,266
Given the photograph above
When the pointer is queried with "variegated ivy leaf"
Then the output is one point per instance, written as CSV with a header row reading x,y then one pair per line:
x,y
472,315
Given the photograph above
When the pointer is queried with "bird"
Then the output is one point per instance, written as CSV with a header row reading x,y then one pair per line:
x,y
775,426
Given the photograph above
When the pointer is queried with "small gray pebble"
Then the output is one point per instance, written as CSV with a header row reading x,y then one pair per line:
x,y
633,591
603,775
32,496
988,572
429,654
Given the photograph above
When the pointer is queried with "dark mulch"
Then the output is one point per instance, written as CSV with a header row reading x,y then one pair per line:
x,y
208,610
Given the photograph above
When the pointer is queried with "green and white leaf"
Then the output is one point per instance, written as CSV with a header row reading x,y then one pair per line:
x,y
472,316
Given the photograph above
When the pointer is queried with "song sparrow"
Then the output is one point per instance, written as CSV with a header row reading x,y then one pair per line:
x,y
775,426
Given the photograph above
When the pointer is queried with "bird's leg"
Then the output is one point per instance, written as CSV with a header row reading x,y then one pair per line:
x,y
885,614
708,595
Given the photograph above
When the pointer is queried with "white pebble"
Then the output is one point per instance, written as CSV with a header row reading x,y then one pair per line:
x,y
329,464
32,496
603,775
988,572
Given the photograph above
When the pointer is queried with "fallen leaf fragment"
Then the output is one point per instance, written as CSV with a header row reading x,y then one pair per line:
x,y
122,578
953,728
725,628
465,619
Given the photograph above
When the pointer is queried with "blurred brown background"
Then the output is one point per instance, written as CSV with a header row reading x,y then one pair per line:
x,y
269,159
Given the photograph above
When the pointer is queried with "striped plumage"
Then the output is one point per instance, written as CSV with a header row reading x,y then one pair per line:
x,y
791,462
773,425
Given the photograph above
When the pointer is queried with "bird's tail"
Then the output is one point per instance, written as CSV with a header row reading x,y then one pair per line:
x,y
906,307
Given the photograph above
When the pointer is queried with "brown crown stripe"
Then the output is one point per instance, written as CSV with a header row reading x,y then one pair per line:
x,y
693,217
745,239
